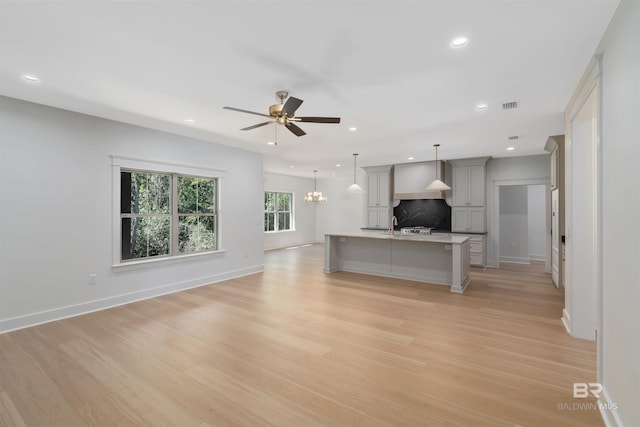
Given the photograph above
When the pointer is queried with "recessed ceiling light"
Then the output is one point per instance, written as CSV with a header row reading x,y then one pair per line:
x,y
409,158
459,42
511,148
271,143
190,121
353,128
338,165
31,78
481,107
291,166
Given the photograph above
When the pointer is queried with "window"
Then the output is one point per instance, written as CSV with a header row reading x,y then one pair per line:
x,y
164,214
278,211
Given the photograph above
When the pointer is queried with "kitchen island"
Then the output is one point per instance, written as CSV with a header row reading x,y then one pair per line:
x,y
438,259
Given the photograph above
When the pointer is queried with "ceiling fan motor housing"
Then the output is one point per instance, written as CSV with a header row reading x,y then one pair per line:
x,y
276,110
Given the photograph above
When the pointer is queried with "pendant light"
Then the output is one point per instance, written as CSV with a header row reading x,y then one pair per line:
x,y
315,196
354,188
437,185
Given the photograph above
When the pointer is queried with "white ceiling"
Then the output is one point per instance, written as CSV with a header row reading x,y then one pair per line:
x,y
385,67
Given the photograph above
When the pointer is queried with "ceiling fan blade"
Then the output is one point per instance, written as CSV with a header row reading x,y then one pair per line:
x,y
291,106
258,125
295,129
319,119
246,111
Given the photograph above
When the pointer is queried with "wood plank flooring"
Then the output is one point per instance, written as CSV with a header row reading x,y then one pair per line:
x,y
296,347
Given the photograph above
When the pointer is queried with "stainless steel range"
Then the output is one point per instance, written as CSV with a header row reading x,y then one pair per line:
x,y
416,230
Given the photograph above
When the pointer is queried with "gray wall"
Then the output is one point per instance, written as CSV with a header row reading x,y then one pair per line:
x,y
344,211
514,224
56,209
537,225
619,338
522,220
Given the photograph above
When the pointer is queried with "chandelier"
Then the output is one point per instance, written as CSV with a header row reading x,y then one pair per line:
x,y
315,196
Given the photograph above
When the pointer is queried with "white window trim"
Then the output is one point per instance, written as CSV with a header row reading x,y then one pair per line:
x,y
119,163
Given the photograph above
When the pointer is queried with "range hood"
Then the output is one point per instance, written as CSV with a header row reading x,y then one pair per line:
x,y
411,179
423,195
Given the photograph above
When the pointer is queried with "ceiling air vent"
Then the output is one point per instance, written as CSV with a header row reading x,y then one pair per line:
x,y
513,138
510,105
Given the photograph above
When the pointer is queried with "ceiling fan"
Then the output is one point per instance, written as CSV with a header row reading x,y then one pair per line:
x,y
284,113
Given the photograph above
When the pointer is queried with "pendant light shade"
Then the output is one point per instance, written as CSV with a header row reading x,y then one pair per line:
x,y
354,188
315,196
437,185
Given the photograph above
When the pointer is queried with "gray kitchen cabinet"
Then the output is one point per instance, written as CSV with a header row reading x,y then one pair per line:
x,y
468,213
379,206
477,249
465,219
469,185
378,217
378,189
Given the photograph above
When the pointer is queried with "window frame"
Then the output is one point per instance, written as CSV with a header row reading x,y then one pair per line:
x,y
123,164
277,211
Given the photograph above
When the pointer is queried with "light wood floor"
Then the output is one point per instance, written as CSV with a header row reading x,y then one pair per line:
x,y
296,347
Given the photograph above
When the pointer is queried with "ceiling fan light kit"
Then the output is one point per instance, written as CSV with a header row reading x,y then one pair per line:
x,y
284,114
437,185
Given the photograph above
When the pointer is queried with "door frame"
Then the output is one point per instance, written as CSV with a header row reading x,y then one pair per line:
x,y
495,221
589,85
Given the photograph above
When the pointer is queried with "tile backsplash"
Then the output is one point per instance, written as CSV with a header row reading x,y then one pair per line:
x,y
434,213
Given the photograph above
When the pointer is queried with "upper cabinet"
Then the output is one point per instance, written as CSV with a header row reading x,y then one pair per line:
x,y
469,195
469,181
468,186
378,189
379,206
411,179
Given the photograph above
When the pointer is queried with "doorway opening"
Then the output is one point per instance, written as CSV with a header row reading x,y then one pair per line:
x,y
522,222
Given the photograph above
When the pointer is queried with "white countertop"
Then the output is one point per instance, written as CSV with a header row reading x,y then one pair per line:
x,y
377,234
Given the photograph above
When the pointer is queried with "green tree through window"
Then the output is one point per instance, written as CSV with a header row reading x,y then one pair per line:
x,y
166,214
278,211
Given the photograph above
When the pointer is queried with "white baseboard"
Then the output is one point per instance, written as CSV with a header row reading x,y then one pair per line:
x,y
34,319
291,245
535,257
514,260
609,410
566,320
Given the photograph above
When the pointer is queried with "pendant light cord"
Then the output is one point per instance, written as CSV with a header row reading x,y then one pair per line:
x,y
354,167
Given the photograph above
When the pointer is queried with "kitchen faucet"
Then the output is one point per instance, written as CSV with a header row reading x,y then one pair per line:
x,y
393,222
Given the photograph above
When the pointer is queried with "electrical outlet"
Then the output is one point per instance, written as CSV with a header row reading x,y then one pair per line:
x,y
93,279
